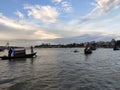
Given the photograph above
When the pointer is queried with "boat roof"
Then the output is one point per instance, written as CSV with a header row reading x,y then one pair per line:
x,y
19,49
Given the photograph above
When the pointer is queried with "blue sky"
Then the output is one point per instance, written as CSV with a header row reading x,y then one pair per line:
x,y
50,19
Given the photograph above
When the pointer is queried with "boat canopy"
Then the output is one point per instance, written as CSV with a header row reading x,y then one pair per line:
x,y
19,52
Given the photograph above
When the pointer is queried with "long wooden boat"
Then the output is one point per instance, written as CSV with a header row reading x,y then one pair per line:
x,y
23,56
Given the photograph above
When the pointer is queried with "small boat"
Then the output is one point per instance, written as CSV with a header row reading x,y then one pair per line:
x,y
93,48
116,48
22,56
87,51
75,51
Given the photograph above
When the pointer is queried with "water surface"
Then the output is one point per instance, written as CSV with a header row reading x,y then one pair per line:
x,y
62,69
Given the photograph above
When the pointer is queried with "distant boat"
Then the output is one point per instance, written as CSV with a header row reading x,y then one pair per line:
x,y
87,51
75,51
116,48
22,56
93,48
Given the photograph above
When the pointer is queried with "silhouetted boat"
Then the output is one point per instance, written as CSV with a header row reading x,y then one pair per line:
x,y
116,48
93,48
116,45
75,51
22,56
87,51
93,45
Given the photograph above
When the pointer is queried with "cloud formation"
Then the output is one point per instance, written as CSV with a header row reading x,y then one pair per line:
x,y
11,29
46,14
13,23
45,35
19,14
48,22
64,4
57,1
103,6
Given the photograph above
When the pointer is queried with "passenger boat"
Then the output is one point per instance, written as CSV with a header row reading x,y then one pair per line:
x,y
18,53
21,56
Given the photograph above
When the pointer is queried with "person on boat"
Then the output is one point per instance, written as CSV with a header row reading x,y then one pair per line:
x,y
13,52
87,49
32,50
87,46
9,52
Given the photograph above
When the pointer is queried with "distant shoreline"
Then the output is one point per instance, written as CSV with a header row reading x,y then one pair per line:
x,y
76,45
100,44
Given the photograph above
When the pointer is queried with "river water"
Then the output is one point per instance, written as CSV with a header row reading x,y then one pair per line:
x,y
62,69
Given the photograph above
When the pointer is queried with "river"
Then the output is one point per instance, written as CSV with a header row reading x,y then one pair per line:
x,y
62,69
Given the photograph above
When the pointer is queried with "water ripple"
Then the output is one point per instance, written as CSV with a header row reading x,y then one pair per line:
x,y
62,69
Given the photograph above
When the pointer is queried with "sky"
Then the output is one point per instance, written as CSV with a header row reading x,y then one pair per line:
x,y
51,19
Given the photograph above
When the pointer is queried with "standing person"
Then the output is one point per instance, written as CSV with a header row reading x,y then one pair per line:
x,y
32,49
10,52
7,46
87,46
13,52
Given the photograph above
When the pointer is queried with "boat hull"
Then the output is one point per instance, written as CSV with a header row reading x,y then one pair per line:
x,y
24,56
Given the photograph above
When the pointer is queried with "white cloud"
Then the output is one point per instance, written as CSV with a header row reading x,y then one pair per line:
x,y
20,15
64,5
45,35
12,29
109,25
103,6
57,1
14,23
46,14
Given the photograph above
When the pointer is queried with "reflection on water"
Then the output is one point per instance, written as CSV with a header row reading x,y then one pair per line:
x,y
62,69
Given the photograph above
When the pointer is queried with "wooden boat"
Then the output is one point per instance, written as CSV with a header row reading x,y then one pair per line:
x,y
75,51
22,56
